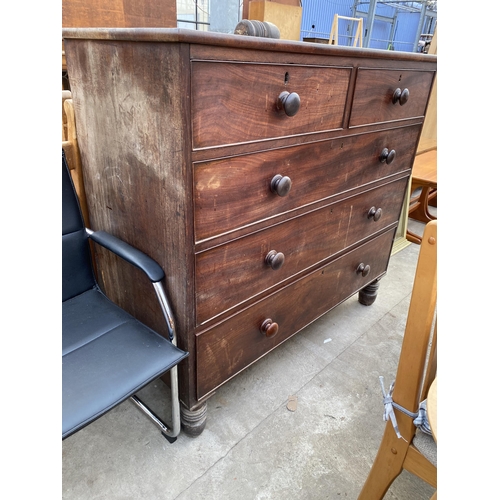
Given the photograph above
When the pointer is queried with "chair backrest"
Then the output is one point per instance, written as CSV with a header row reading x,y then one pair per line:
x,y
77,272
417,362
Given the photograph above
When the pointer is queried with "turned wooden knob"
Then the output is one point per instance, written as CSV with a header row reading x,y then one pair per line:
x,y
403,98
400,96
289,102
269,328
275,259
396,96
363,269
281,185
375,213
387,156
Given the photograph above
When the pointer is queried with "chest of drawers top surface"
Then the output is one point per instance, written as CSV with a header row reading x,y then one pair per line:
x,y
203,38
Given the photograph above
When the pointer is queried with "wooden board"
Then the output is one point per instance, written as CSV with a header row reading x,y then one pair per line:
x,y
287,18
119,14
428,138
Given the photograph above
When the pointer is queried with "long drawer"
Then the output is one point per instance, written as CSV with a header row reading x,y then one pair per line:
x,y
231,346
237,102
229,274
376,95
234,192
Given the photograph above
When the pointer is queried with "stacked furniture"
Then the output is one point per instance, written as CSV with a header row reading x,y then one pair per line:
x,y
265,176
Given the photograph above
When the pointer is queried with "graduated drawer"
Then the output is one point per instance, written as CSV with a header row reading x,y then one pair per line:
x,y
231,346
237,102
229,274
375,98
234,192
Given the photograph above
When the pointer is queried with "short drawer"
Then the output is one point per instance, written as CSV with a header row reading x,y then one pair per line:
x,y
376,95
231,346
229,274
235,192
238,102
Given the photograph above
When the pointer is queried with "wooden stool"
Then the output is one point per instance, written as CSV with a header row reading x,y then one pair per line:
x,y
424,176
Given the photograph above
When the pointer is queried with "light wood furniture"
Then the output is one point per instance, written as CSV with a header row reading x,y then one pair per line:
x,y
400,240
428,137
427,142
424,178
265,176
416,371
245,6
63,62
119,13
334,33
288,18
72,151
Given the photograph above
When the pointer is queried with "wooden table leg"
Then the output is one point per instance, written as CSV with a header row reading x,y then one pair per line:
x,y
414,238
421,212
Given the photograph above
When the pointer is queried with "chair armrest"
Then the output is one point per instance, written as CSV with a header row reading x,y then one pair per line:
x,y
129,253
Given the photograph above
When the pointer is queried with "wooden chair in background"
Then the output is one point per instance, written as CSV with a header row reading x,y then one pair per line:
x,y
72,151
415,451
424,185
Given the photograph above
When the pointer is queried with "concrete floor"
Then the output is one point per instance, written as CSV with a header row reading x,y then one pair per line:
x,y
253,447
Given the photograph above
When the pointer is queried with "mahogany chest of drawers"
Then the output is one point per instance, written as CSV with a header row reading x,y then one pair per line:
x,y
265,176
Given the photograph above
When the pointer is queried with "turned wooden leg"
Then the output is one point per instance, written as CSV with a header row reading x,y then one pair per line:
x,y
413,237
193,421
368,294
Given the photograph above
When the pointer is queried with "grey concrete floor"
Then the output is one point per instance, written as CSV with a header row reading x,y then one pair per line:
x,y
253,447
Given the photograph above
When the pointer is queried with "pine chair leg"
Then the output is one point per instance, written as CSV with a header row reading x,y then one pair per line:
x,y
387,466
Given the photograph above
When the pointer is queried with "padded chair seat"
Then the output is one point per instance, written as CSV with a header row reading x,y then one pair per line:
x,y
116,360
426,445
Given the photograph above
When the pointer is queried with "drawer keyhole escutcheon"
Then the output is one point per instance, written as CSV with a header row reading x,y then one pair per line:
x,y
363,269
375,213
281,185
400,96
387,156
289,102
269,328
275,259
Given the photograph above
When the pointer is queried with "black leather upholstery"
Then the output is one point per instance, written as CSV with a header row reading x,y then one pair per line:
x,y
77,273
153,271
107,355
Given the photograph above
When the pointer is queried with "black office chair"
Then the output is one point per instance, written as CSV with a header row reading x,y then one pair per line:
x,y
107,354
